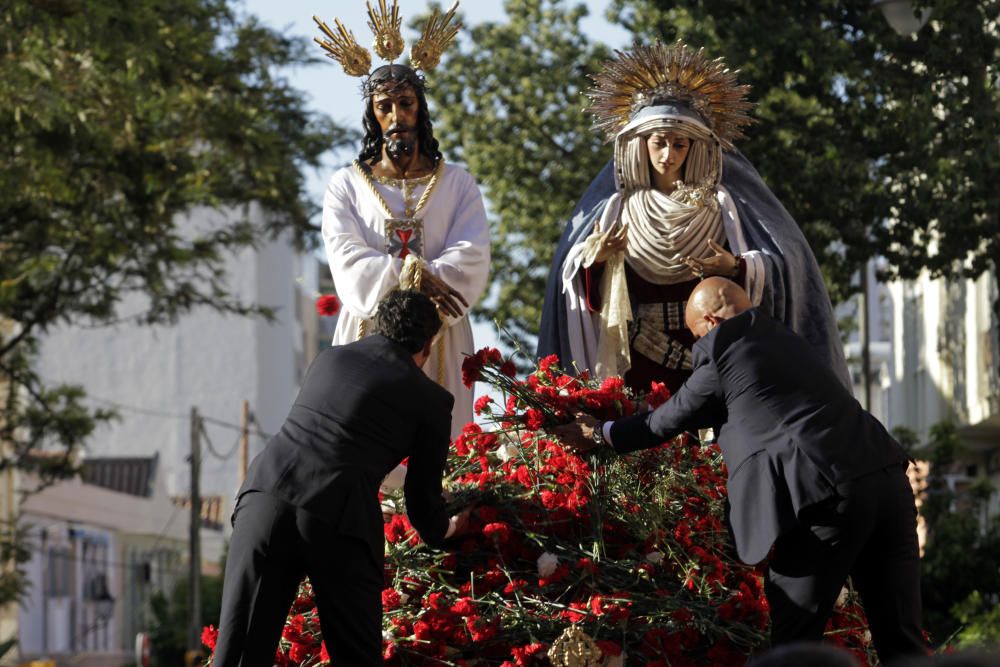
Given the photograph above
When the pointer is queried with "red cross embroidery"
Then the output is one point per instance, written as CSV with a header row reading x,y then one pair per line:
x,y
404,237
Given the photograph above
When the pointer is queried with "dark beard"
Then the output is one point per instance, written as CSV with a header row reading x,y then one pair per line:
x,y
397,148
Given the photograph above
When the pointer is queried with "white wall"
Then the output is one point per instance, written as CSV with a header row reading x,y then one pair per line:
x,y
207,360
944,352
68,623
69,514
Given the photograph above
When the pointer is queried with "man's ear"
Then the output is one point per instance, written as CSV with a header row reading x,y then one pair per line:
x,y
427,348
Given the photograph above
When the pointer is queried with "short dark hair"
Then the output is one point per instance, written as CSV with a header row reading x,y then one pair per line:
x,y
805,654
408,318
389,77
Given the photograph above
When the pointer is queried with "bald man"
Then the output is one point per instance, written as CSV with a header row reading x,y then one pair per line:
x,y
811,473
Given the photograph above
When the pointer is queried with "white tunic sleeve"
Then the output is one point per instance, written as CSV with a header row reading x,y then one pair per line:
x,y
362,271
464,259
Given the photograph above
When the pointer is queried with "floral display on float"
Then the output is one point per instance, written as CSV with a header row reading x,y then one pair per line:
x,y
573,560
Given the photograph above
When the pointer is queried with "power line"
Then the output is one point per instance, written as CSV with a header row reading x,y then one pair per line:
x,y
172,415
211,447
132,408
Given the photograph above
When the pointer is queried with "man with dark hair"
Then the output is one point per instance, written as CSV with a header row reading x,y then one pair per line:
x,y
309,506
804,654
401,217
811,473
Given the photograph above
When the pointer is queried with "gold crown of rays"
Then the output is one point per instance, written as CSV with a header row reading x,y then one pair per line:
x,y
425,54
636,79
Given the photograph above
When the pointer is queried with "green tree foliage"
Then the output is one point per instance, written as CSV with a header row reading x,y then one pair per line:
x,y
876,143
119,119
508,103
171,618
960,582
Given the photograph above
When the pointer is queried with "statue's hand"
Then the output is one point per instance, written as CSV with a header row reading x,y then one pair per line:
x,y
448,300
722,263
613,243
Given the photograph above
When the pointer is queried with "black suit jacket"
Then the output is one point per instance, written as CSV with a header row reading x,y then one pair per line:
x,y
789,431
362,408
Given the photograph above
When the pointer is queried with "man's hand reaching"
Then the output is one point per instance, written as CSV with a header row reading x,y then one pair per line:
x,y
464,522
578,435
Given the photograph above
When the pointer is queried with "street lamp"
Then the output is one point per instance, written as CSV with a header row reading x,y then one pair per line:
x,y
901,16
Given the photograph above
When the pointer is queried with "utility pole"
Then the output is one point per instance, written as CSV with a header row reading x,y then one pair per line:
x,y
866,357
244,440
194,638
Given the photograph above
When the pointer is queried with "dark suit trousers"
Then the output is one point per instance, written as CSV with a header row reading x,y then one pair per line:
x,y
869,533
274,544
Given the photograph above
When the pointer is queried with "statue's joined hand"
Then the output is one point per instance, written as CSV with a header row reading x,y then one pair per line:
x,y
722,263
448,300
613,243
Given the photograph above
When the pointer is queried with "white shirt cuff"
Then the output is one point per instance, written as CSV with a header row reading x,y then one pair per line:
x,y
606,431
452,527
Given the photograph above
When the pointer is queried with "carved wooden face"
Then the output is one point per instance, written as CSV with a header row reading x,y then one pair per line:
x,y
667,152
396,112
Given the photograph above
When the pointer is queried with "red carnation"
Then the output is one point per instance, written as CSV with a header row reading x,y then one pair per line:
x,y
299,652
464,607
483,404
472,368
209,635
391,599
534,419
328,305
658,394
549,364
499,531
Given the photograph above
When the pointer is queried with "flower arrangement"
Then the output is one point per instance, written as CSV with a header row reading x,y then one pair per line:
x,y
632,551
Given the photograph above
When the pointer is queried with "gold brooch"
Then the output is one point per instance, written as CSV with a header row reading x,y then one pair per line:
x,y
574,648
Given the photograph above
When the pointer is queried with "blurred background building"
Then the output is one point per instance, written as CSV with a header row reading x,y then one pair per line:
x,y
104,543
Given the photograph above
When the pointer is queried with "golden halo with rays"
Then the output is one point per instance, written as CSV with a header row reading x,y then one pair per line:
x,y
425,54
635,78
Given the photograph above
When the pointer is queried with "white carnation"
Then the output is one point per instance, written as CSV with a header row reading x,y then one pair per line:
x,y
547,564
506,452
654,557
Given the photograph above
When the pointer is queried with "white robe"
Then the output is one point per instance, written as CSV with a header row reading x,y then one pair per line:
x,y
456,249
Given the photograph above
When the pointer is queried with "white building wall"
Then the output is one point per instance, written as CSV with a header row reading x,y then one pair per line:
x,y
94,530
57,618
946,338
208,360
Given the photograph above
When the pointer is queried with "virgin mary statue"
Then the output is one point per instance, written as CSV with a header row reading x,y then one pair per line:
x,y
677,203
